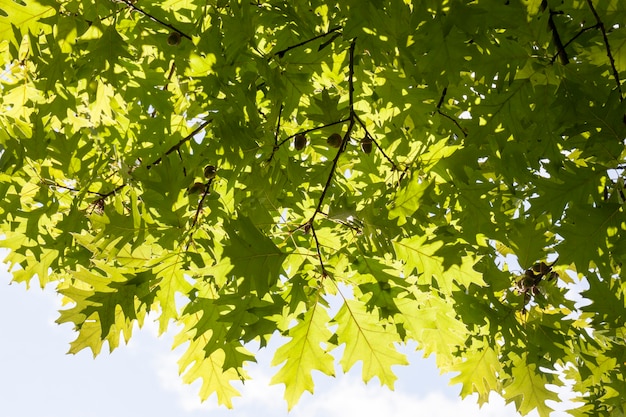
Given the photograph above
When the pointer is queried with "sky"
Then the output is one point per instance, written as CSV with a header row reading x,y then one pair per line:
x,y
38,378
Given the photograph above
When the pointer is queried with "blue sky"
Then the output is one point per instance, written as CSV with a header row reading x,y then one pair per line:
x,y
38,378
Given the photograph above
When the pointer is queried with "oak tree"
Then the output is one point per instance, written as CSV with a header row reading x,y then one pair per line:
x,y
352,175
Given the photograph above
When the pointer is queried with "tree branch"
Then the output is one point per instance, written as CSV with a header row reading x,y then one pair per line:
x,y
600,25
174,148
153,18
452,119
282,52
367,134
560,49
276,145
346,137
313,129
302,132
180,143
568,43
319,252
52,183
207,191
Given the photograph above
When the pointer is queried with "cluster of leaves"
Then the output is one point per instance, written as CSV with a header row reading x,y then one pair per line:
x,y
342,173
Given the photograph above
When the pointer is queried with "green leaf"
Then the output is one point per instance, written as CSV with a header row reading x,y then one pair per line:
x,y
528,389
194,364
26,16
478,372
422,257
407,200
303,354
484,143
171,278
369,341
254,256
431,321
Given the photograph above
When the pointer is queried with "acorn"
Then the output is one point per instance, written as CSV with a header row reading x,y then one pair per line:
x,y
366,145
334,140
173,39
196,188
210,171
299,142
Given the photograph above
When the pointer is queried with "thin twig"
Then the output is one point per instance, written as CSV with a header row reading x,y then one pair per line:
x,y
333,168
568,43
309,225
110,193
319,252
169,75
351,79
346,137
555,34
276,145
155,19
443,96
608,49
180,143
52,183
452,119
280,112
313,129
302,132
367,134
207,191
282,52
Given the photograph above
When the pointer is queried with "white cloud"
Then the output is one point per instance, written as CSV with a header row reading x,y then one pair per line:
x,y
349,396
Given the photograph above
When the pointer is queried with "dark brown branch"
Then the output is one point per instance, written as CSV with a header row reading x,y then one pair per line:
x,y
282,52
180,143
442,98
404,173
309,225
110,193
568,43
333,168
280,113
600,25
169,75
313,129
346,137
452,119
154,19
302,132
560,48
351,80
52,183
157,161
207,191
276,145
319,252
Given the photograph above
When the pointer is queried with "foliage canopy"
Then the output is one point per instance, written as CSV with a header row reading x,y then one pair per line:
x,y
355,174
